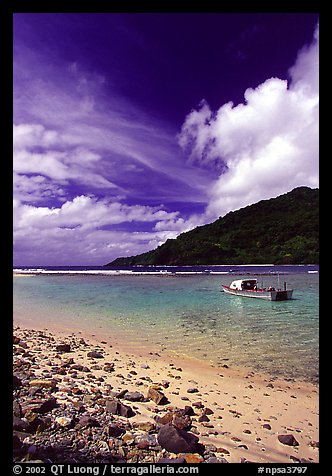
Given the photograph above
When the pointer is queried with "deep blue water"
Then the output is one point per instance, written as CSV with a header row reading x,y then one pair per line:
x,y
187,313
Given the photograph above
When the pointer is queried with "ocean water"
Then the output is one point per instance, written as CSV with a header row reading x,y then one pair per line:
x,y
187,313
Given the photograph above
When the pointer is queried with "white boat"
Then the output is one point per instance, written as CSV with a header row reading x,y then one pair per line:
x,y
249,288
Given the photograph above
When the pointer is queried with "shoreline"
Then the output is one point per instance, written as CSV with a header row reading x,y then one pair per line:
x,y
248,411
137,345
164,271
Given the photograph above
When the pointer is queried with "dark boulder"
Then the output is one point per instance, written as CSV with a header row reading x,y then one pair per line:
x,y
288,440
134,396
87,422
108,367
156,395
188,410
178,418
214,460
21,425
95,354
46,406
176,440
16,339
63,348
192,390
115,431
117,408
17,409
17,382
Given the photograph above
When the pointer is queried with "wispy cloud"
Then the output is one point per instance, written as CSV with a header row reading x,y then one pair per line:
x,y
96,177
50,154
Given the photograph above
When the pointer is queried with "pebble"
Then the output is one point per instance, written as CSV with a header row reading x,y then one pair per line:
x,y
192,390
65,412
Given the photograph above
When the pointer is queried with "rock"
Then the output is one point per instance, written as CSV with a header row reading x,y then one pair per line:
x,y
236,439
213,459
145,426
180,460
163,420
156,395
188,410
95,354
203,417
177,441
198,405
87,422
193,458
181,420
192,390
108,367
47,406
223,451
76,367
63,348
17,443
21,425
16,339
96,367
43,383
43,424
145,366
134,396
118,408
21,435
17,383
32,450
128,438
17,409
63,421
288,440
146,441
178,418
68,362
314,444
266,426
115,431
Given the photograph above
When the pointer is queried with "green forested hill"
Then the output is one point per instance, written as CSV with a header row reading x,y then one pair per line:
x,y
282,230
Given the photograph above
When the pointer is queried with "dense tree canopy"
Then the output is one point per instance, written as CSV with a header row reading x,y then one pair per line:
x,y
282,230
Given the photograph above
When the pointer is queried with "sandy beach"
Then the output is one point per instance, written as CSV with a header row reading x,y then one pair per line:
x,y
87,398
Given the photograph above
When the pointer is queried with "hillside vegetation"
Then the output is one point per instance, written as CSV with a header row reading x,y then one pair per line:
x,y
282,230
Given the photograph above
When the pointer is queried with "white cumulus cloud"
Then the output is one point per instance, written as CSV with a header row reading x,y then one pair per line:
x,y
264,147
82,230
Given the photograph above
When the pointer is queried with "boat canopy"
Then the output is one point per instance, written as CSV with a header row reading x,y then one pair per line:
x,y
242,284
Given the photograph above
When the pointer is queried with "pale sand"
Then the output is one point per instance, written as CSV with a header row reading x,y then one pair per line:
x,y
242,400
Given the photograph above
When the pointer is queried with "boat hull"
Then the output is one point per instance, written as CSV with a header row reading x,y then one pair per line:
x,y
278,295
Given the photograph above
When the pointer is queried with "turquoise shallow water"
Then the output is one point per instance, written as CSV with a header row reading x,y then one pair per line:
x,y
187,314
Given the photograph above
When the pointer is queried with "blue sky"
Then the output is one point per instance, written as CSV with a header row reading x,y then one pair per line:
x,y
132,128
